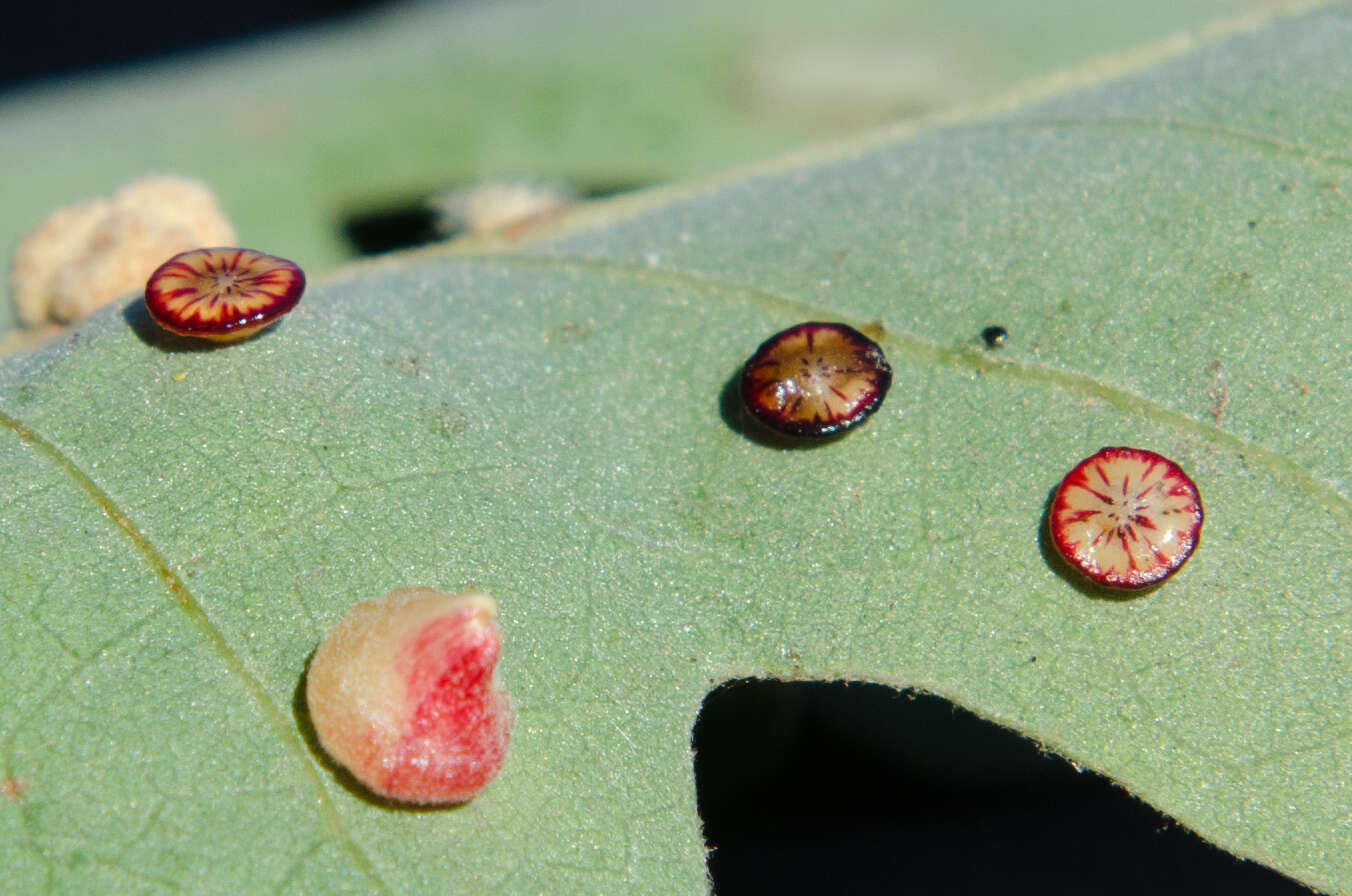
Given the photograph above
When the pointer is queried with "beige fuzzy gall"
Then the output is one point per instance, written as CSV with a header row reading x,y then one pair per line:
x,y
86,255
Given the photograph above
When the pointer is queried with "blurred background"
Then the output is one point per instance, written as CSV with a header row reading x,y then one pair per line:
x,y
46,40
327,126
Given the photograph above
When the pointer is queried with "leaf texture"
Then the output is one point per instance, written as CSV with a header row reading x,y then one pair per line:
x,y
1168,253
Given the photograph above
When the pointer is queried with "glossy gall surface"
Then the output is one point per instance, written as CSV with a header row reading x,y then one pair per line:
x,y
1126,518
815,379
222,294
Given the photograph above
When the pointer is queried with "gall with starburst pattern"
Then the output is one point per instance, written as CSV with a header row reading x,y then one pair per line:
x,y
1126,518
223,294
815,379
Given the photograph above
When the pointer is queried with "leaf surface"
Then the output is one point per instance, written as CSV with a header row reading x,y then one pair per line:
x,y
1169,255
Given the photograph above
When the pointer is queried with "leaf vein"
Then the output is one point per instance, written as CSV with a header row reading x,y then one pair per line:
x,y
186,602
963,358
1194,128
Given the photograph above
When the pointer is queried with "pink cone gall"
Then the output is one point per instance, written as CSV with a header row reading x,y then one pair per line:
x,y
402,693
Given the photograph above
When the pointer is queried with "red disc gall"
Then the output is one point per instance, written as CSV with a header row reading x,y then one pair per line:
x,y
815,379
1126,518
222,294
402,693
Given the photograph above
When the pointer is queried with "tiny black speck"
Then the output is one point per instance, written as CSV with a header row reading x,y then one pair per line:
x,y
995,336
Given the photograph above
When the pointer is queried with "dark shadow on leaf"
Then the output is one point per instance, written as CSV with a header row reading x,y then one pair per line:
x,y
155,336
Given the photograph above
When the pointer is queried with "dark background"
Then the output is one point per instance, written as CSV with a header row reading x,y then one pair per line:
x,y
803,787
41,39
810,787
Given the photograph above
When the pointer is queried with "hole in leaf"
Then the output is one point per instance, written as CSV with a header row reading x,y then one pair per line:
x,y
415,221
823,787
390,227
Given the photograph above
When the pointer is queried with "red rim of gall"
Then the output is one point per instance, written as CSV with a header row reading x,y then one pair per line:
x,y
1126,518
222,293
815,379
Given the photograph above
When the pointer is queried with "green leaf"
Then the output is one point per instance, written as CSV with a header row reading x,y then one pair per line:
x,y
301,131
1169,255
